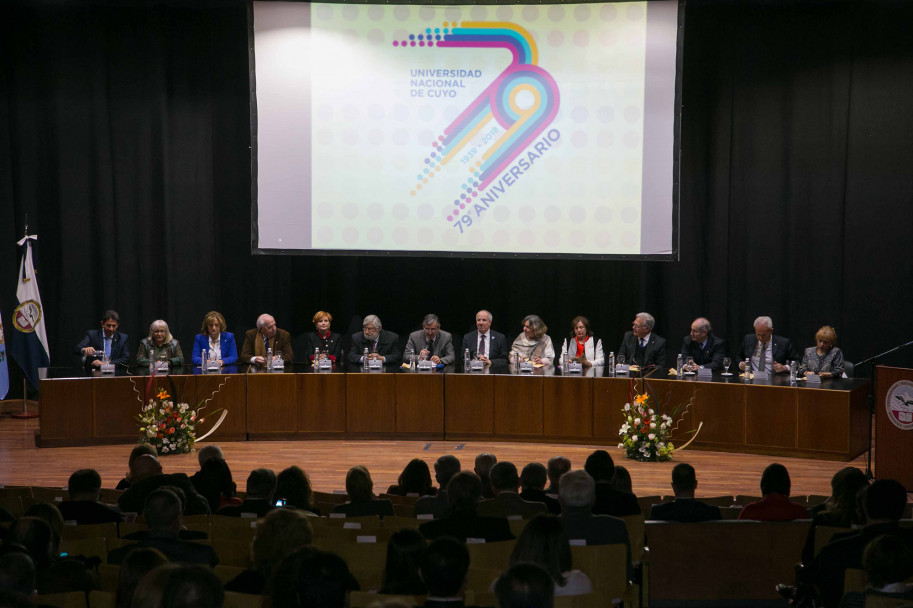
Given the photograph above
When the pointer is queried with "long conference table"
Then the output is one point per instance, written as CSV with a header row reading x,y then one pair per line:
x,y
773,417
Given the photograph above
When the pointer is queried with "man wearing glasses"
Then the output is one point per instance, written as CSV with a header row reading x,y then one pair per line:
x,y
703,346
641,346
381,344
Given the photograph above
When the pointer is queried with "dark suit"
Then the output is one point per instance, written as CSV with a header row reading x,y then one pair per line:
x,y
685,510
441,348
496,347
332,346
88,512
376,506
710,356
466,524
506,504
654,351
387,347
610,501
134,498
438,505
179,551
120,351
281,343
553,506
781,349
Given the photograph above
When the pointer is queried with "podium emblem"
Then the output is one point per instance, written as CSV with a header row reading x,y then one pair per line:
x,y
899,404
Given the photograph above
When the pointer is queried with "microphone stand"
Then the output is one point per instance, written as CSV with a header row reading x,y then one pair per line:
x,y
871,399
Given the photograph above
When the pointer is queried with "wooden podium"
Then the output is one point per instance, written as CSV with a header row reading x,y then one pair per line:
x,y
893,453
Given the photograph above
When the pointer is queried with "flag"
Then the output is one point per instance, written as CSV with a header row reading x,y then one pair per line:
x,y
4,369
29,341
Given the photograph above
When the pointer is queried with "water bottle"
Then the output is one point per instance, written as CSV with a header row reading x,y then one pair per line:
x,y
565,359
317,357
678,365
466,366
747,367
269,358
412,361
611,364
364,360
151,355
792,371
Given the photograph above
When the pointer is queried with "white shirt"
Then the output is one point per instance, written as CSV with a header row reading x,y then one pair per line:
x,y
215,346
768,357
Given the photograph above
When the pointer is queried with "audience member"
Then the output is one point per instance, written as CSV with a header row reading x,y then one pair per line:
x,y
214,482
525,586
464,492
505,483
483,464
179,586
840,510
209,451
83,506
544,542
148,476
401,572
438,506
50,514
360,488
280,533
443,567
557,466
261,487
415,480
685,508
135,566
621,480
775,506
308,578
294,487
888,564
137,451
532,480
609,501
163,516
17,572
54,574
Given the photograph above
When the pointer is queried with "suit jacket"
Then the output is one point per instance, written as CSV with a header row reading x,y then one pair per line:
x,y
553,506
655,351
387,347
685,510
781,350
442,347
506,504
88,512
312,341
710,356
120,351
227,347
496,346
376,506
466,524
134,498
179,551
610,501
438,505
281,343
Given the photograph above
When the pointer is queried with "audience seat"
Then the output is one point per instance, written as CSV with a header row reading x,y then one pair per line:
x,y
329,497
108,530
491,556
746,499
646,502
813,500
362,599
102,599
52,495
13,504
88,547
233,528
718,501
366,561
242,600
606,565
70,599
636,527
823,535
227,573
109,496
396,499
730,512
232,552
108,575
855,579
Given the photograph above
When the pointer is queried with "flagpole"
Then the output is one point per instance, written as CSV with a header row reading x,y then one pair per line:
x,y
25,415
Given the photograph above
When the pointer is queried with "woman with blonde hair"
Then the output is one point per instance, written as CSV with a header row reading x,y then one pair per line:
x,y
160,345
328,343
214,340
825,359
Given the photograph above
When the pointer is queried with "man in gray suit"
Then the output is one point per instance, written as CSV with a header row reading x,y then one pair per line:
x,y
430,342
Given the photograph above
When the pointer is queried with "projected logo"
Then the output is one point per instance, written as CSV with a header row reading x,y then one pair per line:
x,y
502,125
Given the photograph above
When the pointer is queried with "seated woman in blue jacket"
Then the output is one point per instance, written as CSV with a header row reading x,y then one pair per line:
x,y
214,339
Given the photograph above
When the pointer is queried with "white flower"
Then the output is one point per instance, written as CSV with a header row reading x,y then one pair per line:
x,y
634,439
621,445
637,421
625,428
164,449
652,425
627,407
651,436
184,407
150,432
663,425
651,411
660,445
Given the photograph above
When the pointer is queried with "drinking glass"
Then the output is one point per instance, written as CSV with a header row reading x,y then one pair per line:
x,y
726,363
689,363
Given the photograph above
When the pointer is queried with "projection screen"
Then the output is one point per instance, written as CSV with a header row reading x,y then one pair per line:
x,y
536,131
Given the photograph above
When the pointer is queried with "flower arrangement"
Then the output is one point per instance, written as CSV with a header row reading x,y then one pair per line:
x,y
169,426
647,428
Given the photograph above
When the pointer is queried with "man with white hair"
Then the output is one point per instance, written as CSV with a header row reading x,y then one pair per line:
x,y
488,345
766,350
381,344
265,336
641,346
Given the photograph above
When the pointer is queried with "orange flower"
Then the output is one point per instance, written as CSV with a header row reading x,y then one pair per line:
x,y
163,394
641,399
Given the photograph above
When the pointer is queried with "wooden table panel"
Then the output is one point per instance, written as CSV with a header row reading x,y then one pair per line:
x,y
370,402
216,393
272,403
721,408
770,416
824,422
321,403
518,405
568,407
609,397
117,402
66,408
420,404
470,400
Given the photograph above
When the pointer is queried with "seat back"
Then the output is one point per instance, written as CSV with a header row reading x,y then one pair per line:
x,y
635,526
108,530
854,579
242,600
102,599
233,552
361,599
70,599
491,556
646,502
607,567
88,547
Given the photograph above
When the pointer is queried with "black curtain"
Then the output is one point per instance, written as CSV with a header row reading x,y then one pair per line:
x,y
124,135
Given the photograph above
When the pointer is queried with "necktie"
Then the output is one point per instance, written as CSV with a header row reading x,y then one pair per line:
x,y
265,343
643,342
762,356
482,345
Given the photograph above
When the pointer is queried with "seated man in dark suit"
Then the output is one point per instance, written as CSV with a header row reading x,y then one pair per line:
x,y
489,346
105,341
381,344
766,350
163,515
257,342
703,346
261,487
685,508
430,342
207,452
557,466
148,476
438,505
505,483
883,505
464,492
83,507
360,488
443,567
609,501
532,480
641,346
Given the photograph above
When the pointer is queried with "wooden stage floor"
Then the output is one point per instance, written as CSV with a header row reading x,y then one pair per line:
x,y
326,462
